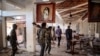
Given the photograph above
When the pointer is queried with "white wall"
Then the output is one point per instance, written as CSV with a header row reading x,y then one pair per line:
x,y
87,28
4,31
0,13
98,28
84,27
1,39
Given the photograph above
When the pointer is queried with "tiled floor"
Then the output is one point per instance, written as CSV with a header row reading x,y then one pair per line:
x,y
54,52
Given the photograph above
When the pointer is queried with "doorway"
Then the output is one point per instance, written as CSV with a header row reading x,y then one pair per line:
x,y
21,29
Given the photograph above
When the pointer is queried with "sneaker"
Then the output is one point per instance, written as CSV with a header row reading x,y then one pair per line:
x,y
68,51
58,46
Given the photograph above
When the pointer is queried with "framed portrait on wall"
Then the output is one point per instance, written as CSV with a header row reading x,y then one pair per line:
x,y
45,13
94,11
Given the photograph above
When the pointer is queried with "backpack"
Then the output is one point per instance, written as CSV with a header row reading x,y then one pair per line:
x,y
38,33
8,38
41,35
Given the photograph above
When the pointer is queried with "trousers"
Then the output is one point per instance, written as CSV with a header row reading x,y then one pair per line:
x,y
59,40
42,49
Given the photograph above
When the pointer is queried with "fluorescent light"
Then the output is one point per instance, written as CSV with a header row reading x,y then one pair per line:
x,y
18,17
45,0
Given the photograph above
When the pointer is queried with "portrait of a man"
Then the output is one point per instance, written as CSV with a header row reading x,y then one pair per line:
x,y
46,13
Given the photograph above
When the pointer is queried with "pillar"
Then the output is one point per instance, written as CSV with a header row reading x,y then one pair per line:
x,y
4,32
30,39
1,39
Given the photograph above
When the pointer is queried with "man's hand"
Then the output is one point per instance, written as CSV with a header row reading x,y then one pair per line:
x,y
34,23
38,26
17,43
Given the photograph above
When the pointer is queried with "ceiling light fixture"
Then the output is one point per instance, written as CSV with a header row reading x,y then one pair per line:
x,y
45,0
18,17
70,15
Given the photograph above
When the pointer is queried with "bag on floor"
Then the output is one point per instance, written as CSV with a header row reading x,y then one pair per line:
x,y
8,38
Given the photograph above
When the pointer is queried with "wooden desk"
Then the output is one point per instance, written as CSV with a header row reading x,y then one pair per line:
x,y
73,43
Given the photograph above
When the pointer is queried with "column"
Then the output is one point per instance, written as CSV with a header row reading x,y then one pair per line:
x,y
4,32
30,39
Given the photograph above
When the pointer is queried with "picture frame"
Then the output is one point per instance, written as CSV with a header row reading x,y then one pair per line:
x,y
45,13
94,12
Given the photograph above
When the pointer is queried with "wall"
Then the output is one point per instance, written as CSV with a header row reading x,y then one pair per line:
x,y
98,28
1,39
88,28
83,27
92,29
0,13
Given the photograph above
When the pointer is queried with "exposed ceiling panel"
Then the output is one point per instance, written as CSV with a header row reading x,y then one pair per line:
x,y
0,4
41,1
9,6
0,0
75,12
81,13
76,0
0,7
85,15
70,3
17,2
21,3
70,11
77,8
74,7
96,1
75,16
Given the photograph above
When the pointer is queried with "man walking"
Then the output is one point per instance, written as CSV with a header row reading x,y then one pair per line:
x,y
48,40
42,38
13,40
68,37
58,33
